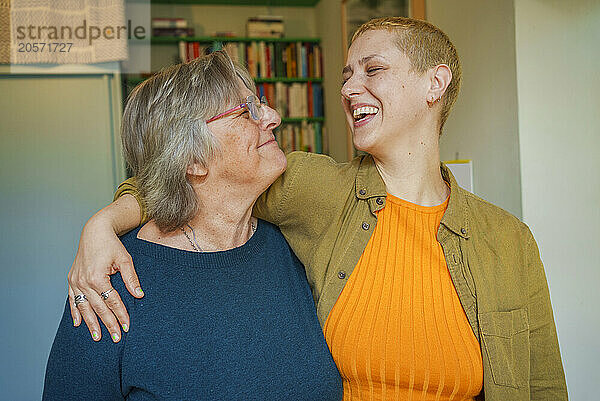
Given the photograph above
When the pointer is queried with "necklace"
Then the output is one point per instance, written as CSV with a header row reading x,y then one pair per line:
x,y
194,243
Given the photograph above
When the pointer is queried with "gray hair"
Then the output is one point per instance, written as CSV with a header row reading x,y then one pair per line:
x,y
164,131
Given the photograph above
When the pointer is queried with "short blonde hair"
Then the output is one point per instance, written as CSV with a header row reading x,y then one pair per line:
x,y
426,46
164,130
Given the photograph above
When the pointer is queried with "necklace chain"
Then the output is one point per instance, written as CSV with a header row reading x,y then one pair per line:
x,y
194,243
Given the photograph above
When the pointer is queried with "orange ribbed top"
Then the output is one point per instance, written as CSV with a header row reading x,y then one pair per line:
x,y
398,330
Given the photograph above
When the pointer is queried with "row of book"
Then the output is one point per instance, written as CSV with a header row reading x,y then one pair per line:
x,y
265,26
305,136
296,100
171,27
265,59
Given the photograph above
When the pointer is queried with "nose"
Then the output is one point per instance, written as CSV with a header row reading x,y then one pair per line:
x,y
350,88
270,118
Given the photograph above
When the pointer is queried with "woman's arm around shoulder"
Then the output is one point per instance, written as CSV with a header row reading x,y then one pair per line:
x,y
310,182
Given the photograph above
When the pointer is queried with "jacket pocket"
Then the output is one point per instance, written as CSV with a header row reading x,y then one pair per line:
x,y
505,337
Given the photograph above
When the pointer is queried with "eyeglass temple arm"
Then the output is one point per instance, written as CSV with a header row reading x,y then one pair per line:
x,y
223,114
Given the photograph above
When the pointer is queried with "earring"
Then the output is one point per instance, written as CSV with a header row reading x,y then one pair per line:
x,y
431,101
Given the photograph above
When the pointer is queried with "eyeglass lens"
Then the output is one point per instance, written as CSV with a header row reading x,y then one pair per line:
x,y
254,106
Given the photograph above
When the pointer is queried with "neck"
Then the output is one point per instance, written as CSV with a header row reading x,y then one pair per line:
x,y
224,220
413,174
218,230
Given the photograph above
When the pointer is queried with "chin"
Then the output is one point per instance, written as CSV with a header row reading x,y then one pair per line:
x,y
277,162
281,162
364,143
275,169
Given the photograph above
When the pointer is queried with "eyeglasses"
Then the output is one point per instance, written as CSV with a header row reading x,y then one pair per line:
x,y
253,104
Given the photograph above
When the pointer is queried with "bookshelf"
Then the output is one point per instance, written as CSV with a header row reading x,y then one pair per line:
x,y
288,71
270,3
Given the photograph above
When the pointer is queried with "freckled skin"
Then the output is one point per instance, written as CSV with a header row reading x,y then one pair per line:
x,y
378,74
247,147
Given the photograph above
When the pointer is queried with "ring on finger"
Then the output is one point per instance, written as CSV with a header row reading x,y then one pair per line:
x,y
105,294
79,299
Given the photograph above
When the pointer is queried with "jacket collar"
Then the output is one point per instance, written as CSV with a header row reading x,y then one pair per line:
x,y
369,184
368,181
456,217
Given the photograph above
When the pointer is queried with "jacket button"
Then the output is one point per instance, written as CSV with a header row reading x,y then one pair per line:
x,y
365,225
341,275
379,201
462,230
362,192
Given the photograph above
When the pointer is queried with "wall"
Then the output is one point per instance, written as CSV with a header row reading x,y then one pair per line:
x,y
483,125
559,120
59,162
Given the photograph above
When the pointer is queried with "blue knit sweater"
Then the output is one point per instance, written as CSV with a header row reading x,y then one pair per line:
x,y
231,325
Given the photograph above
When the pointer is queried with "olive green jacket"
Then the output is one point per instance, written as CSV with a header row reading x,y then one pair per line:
x,y
327,212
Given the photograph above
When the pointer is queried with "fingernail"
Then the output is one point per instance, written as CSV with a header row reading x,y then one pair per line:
x,y
115,337
125,328
138,291
95,335
75,322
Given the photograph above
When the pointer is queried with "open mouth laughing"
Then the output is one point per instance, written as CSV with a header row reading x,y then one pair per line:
x,y
362,114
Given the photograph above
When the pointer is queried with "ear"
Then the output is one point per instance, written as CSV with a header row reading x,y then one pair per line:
x,y
441,76
197,170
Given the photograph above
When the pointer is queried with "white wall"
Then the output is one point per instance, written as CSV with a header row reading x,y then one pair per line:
x,y
559,123
483,125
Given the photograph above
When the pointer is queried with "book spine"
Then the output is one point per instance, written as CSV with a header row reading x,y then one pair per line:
x,y
173,32
317,58
318,138
290,61
271,94
299,59
196,49
183,56
310,99
304,61
271,53
242,54
297,137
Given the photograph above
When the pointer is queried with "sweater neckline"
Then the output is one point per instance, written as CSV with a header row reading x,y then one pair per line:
x,y
238,256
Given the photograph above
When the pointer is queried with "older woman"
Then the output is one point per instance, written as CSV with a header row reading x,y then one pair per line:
x,y
202,146
424,291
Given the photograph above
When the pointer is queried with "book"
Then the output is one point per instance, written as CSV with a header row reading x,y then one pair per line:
x,y
173,32
262,60
169,23
183,52
265,27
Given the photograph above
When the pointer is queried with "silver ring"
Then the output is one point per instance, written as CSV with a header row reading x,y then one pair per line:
x,y
79,299
105,294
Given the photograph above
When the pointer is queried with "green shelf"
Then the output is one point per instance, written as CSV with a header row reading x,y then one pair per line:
x,y
168,40
274,3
